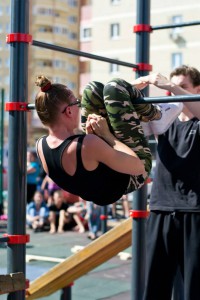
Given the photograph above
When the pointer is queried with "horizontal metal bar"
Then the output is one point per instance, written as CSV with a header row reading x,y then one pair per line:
x,y
84,54
165,99
167,26
168,99
4,239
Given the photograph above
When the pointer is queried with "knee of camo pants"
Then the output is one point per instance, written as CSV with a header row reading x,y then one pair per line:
x,y
146,111
124,120
92,101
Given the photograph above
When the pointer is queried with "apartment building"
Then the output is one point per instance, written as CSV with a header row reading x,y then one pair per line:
x,y
54,22
103,28
107,30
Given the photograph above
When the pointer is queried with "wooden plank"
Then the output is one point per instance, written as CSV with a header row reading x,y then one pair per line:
x,y
12,282
77,265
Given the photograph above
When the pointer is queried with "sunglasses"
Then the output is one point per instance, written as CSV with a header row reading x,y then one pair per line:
x,y
77,102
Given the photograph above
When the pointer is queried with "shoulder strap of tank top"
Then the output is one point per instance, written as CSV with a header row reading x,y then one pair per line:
x,y
78,151
60,148
36,146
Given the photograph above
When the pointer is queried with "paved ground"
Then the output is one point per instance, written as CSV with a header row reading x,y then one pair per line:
x,y
112,280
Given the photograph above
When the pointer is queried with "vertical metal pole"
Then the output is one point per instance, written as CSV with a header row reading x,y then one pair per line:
x,y
1,154
140,196
103,217
66,293
17,141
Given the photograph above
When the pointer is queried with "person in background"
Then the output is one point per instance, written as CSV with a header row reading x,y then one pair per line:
x,y
173,235
37,213
94,221
125,207
78,211
33,171
60,220
48,187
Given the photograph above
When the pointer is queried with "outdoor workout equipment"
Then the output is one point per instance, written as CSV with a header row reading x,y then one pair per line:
x,y
19,41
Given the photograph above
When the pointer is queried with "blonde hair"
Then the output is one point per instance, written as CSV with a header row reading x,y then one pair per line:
x,y
49,99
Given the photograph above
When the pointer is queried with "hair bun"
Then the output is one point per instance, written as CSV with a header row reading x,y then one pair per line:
x,y
43,82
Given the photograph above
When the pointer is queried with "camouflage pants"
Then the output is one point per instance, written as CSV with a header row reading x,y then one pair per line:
x,y
115,102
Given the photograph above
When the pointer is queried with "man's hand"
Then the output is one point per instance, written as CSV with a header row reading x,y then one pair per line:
x,y
156,79
161,81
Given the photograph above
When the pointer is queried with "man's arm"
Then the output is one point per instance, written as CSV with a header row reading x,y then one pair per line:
x,y
163,83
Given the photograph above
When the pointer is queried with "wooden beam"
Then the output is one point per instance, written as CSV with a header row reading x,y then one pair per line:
x,y
12,283
77,265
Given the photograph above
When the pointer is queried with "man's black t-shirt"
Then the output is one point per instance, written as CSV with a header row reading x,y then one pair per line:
x,y
176,184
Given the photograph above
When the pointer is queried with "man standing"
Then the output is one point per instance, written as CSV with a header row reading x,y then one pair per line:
x,y
173,226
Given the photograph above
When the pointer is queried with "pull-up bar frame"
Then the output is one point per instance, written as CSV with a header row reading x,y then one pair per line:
x,y
17,137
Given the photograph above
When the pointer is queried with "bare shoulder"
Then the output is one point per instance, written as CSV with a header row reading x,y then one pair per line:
x,y
94,142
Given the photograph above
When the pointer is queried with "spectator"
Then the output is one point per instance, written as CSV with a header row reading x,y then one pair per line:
x,y
125,207
60,220
94,221
37,213
33,171
70,198
79,213
48,187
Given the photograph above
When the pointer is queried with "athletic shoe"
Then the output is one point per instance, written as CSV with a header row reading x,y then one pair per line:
x,y
170,111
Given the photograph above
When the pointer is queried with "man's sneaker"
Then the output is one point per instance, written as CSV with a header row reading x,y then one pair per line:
x,y
170,111
147,128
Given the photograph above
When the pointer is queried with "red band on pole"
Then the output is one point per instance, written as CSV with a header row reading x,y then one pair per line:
x,y
71,284
17,239
27,283
17,106
143,67
18,37
103,217
139,213
148,180
142,27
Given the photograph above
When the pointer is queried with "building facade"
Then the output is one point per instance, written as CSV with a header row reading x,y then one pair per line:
x,y
107,30
103,28
54,22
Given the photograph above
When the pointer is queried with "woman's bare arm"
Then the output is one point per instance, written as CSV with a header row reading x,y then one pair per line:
x,y
110,150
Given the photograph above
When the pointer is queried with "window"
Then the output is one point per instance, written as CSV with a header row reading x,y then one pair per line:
x,y
177,20
7,27
72,36
114,30
7,62
71,85
86,33
71,68
72,3
114,68
58,64
8,10
7,80
177,60
72,19
115,2
57,79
